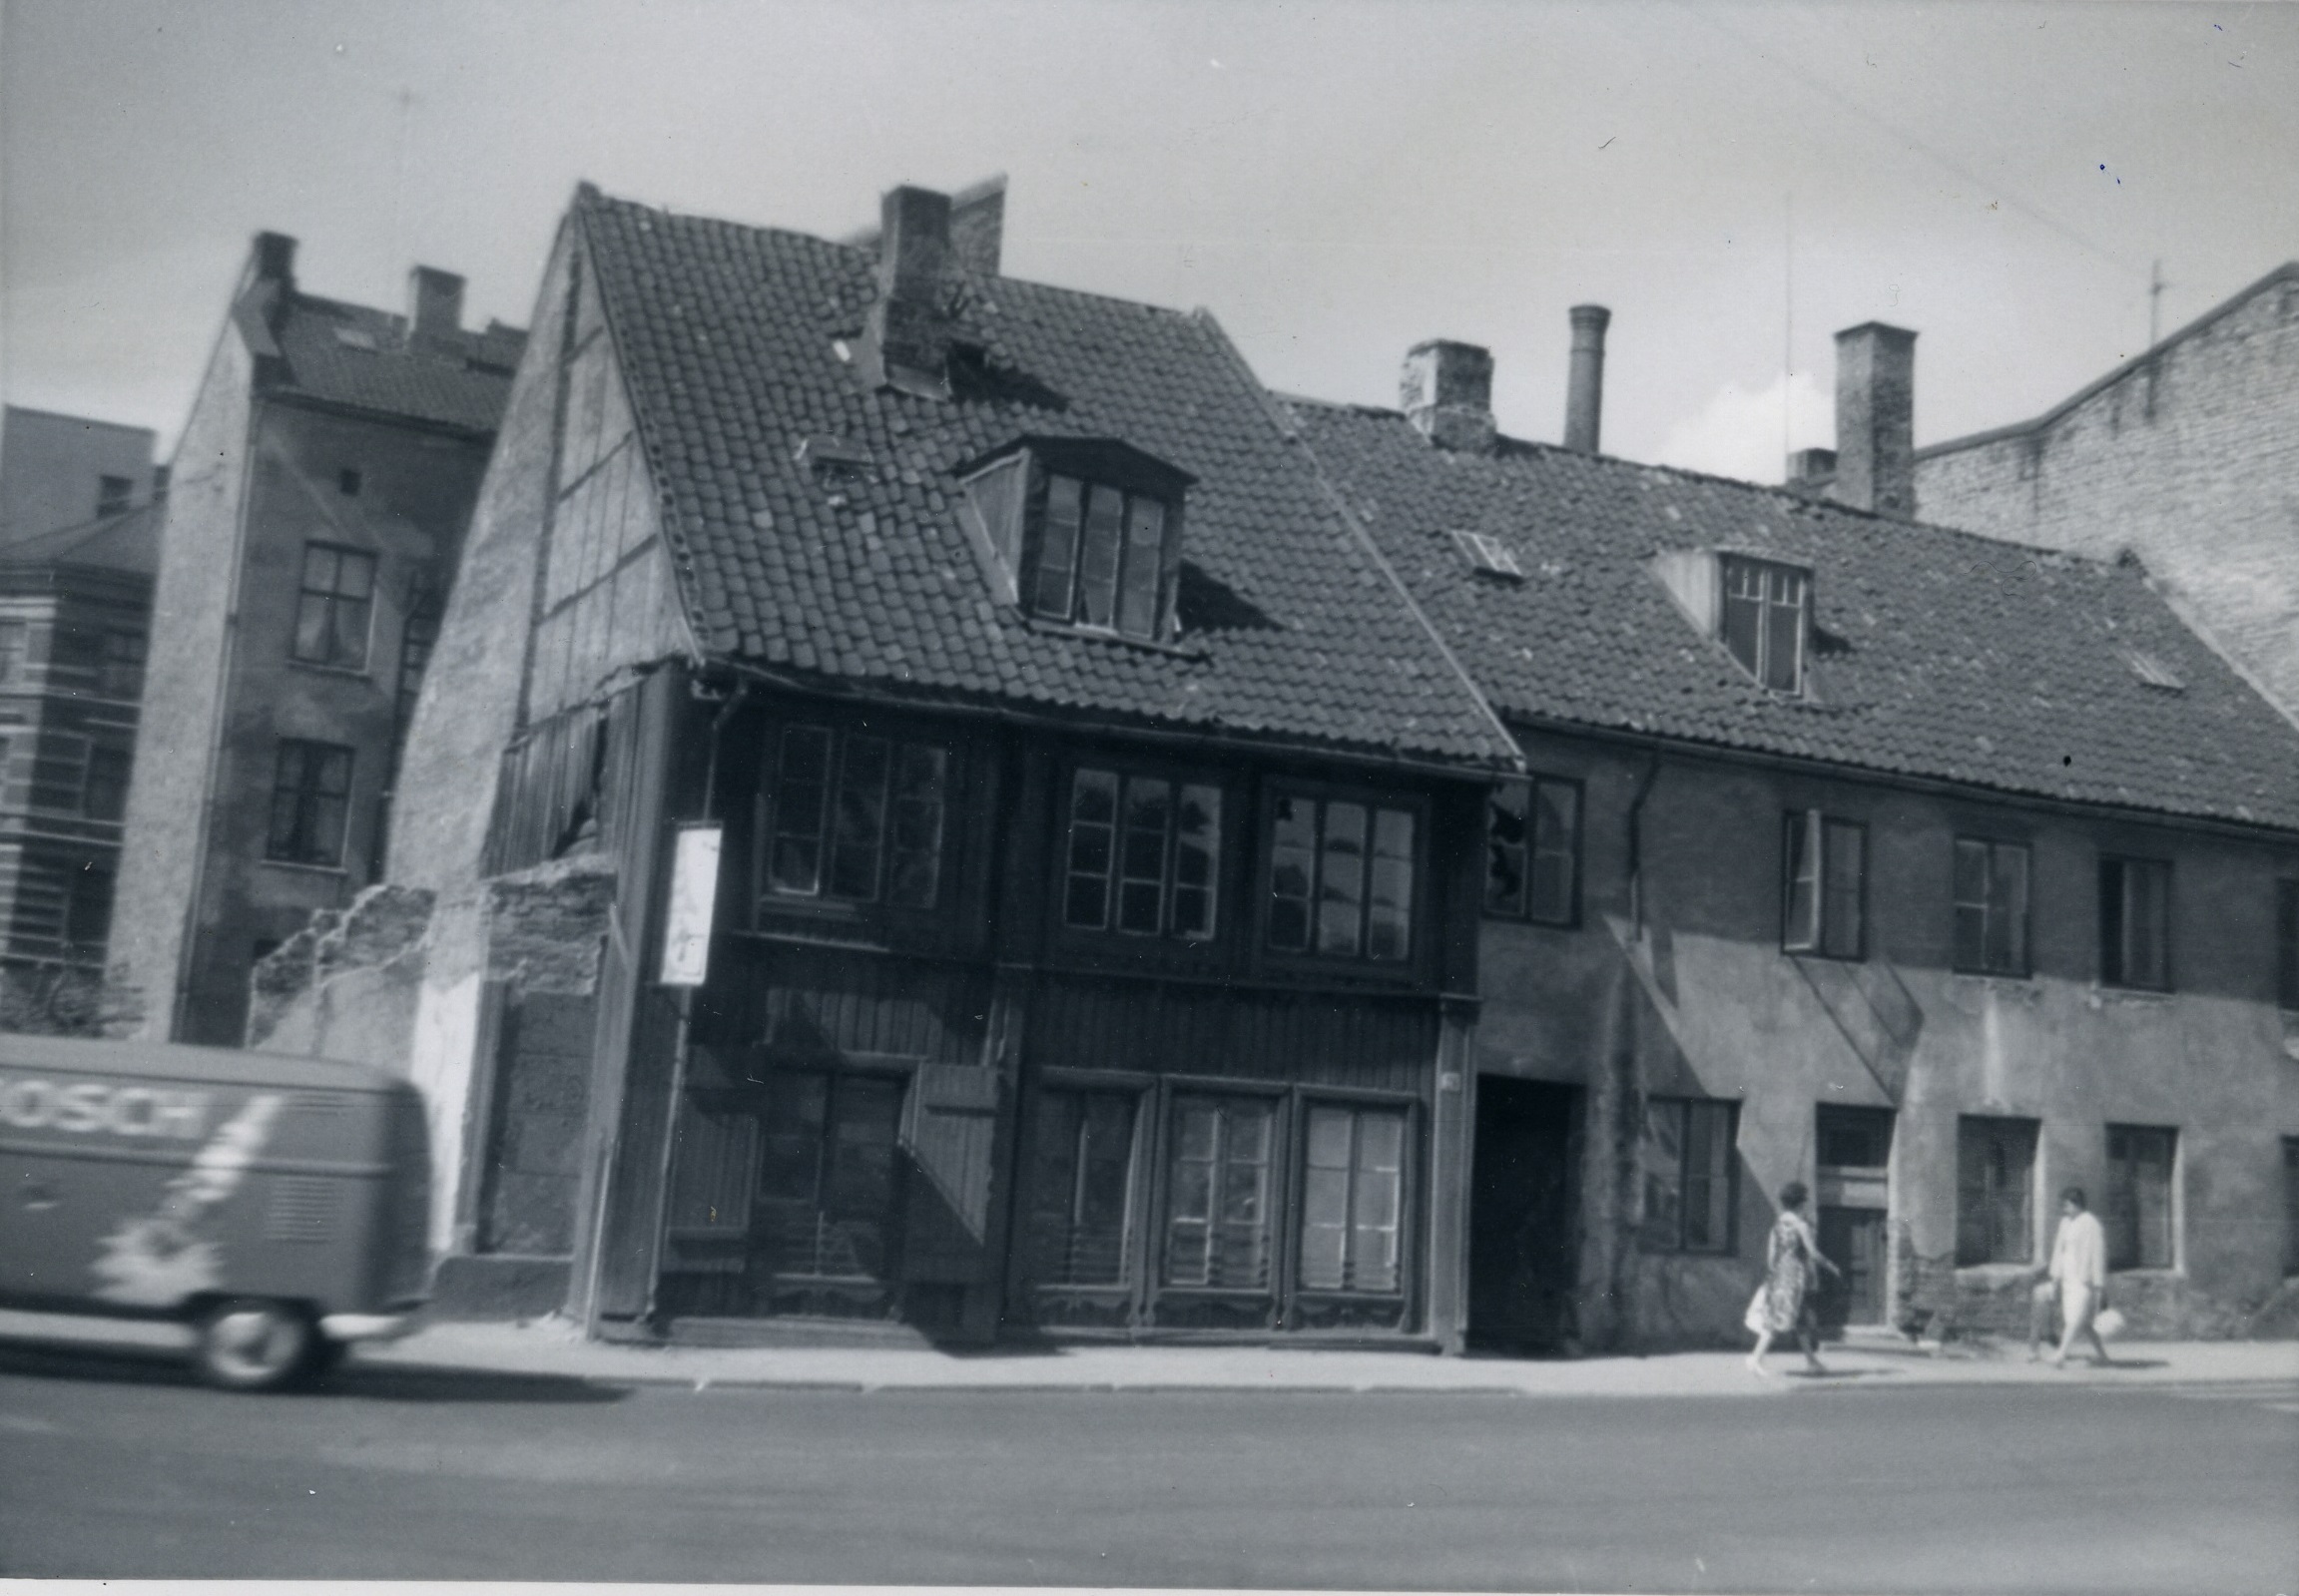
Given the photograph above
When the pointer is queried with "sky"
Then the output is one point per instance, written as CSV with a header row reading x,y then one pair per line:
x,y
1335,182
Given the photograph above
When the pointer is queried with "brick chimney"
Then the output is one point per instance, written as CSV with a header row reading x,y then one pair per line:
x,y
1445,391
434,304
1584,391
1876,419
979,225
275,258
907,342
1810,471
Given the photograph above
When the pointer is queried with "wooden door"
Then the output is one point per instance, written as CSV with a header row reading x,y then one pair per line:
x,y
1853,1240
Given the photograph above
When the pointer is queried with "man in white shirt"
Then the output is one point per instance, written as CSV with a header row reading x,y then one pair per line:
x,y
2079,1270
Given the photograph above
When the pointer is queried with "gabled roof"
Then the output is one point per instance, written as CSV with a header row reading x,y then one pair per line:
x,y
730,339
1939,655
2288,271
351,355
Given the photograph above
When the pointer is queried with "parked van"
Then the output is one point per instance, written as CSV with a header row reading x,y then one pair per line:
x,y
278,1206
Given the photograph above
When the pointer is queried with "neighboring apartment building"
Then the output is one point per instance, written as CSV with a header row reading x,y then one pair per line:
x,y
2187,455
325,477
75,601
1932,871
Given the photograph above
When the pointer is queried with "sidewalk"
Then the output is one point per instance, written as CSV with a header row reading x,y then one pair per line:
x,y
1870,1361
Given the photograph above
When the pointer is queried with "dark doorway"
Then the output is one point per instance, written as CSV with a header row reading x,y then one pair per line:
x,y
1525,1232
1853,1240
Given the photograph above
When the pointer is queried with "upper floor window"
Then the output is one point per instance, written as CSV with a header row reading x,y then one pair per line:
x,y
1764,618
2287,943
114,494
121,675
103,788
311,798
1826,885
853,816
1532,850
1083,531
1990,906
334,608
1341,879
2135,923
1143,856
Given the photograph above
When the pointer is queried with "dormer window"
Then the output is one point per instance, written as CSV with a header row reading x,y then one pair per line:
x,y
1081,532
1765,619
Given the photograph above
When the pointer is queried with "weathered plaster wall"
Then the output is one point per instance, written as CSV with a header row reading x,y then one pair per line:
x,y
2191,459
1703,1003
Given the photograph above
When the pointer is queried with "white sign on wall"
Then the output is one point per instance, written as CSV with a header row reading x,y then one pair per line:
x,y
693,897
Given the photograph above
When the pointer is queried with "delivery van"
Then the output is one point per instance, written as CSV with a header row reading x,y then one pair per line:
x,y
279,1207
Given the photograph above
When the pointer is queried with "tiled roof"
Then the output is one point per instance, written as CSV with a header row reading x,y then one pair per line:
x,y
730,339
350,354
1938,654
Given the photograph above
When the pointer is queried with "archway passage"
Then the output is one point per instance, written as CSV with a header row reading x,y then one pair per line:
x,y
1525,1234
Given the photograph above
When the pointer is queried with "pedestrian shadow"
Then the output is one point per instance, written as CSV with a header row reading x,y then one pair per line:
x,y
1834,1376
154,1366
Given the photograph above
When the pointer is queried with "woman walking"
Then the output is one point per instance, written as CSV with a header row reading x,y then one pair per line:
x,y
1792,1263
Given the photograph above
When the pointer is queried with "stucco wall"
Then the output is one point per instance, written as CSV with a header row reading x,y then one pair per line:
x,y
2191,459
1704,1003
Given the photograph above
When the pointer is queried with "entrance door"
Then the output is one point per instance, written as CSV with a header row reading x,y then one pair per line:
x,y
1523,1237
1853,1238
1852,1148
825,1227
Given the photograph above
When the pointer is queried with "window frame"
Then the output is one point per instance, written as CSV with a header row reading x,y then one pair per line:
x,y
2113,971
1142,1100
1758,667
124,656
1007,502
2126,1223
1407,1111
329,599
1823,896
1180,781
1418,933
2290,1149
306,793
2023,967
1532,851
115,495
1998,1126
1648,1240
120,763
768,797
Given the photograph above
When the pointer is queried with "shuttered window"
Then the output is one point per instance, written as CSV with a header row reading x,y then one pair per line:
x,y
1353,1199
2139,1217
1994,1191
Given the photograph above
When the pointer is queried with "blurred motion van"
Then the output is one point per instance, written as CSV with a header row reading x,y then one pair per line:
x,y
280,1206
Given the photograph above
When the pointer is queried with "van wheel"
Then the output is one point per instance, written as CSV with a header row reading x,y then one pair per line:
x,y
255,1346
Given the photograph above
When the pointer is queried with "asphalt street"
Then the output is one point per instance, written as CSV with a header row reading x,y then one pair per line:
x,y
121,1469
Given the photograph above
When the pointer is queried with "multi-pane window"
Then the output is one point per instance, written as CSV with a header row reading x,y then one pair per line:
x,y
2287,943
1101,556
120,675
1826,886
103,788
853,816
1218,1198
1689,1183
1765,614
2139,1218
1142,856
1994,1191
827,1174
2135,923
1991,885
335,606
1532,850
1081,1188
1341,879
416,637
1353,1200
311,795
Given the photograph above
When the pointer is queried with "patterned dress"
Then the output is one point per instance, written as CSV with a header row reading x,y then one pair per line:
x,y
1791,1266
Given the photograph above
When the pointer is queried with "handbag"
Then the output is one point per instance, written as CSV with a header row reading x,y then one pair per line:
x,y
1755,1317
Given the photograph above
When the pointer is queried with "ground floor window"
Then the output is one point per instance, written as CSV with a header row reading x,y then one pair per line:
x,y
1353,1199
2140,1159
1687,1153
827,1174
1994,1191
1081,1188
1217,1229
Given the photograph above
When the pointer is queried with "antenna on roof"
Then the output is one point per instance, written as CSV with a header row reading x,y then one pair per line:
x,y
2154,300
1787,314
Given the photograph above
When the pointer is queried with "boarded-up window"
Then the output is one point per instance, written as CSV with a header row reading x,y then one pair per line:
x,y
2140,1160
1142,856
1218,1231
1341,879
1081,1188
1689,1173
1990,883
1994,1191
1764,619
853,816
1532,850
1825,886
1353,1200
2135,923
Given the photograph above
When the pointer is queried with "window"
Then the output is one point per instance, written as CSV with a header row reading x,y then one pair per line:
x,y
114,494
88,909
2291,1204
1851,1138
2140,1160
1825,908
1689,1178
1765,619
1341,879
349,482
416,637
1991,907
1081,1188
2287,943
1489,555
1994,1191
333,613
311,795
121,673
855,818
1101,557
104,788
1532,850
2135,923
1353,1200
827,1174
14,649
1143,854
1217,1231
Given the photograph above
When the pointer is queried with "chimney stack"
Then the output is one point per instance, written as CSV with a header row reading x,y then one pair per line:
x,y
1876,419
906,344
1584,391
1810,471
1447,393
434,304
275,258
979,225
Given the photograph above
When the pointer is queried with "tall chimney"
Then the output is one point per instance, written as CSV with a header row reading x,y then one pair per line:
x,y
435,303
1876,419
1584,391
907,341
275,258
979,225
1447,393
